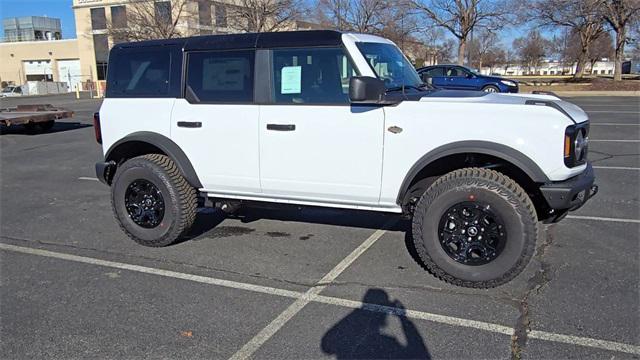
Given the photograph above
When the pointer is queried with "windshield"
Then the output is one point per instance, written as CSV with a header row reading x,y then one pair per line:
x,y
390,65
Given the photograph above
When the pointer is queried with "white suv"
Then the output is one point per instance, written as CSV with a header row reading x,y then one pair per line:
x,y
341,120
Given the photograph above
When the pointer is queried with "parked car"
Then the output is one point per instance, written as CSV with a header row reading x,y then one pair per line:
x,y
11,90
242,118
462,78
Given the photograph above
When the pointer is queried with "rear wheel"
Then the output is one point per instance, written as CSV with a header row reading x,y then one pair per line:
x,y
152,201
490,89
475,228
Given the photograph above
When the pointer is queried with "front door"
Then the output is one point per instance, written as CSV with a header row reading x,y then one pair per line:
x,y
216,124
315,145
460,79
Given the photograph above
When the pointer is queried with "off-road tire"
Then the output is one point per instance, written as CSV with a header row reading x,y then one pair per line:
x,y
510,202
180,199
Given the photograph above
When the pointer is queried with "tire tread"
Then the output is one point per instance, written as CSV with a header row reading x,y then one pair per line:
x,y
494,181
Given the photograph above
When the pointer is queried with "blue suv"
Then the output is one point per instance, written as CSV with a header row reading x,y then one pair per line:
x,y
461,78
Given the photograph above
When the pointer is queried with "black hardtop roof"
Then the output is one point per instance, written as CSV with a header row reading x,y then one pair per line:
x,y
246,40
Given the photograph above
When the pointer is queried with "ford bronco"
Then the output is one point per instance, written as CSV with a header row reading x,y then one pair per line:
x,y
326,118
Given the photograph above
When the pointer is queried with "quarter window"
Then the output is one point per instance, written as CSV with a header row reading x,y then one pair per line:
x,y
311,76
143,74
221,76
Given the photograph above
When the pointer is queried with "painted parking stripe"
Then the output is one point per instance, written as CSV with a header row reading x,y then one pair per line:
x,y
611,124
613,112
623,141
272,328
616,168
88,178
414,314
598,218
153,271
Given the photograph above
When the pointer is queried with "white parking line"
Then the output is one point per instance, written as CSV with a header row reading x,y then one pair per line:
x,y
414,314
88,178
613,112
612,124
598,218
616,168
265,334
624,141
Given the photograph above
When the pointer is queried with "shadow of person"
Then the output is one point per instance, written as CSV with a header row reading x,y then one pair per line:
x,y
359,335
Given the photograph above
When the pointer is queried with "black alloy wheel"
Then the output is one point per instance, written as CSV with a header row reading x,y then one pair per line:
x,y
144,203
471,233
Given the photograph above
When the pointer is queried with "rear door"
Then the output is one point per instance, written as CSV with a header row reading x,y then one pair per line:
x,y
216,123
315,145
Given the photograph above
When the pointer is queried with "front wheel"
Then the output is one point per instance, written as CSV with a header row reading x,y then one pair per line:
x,y
475,228
490,89
152,201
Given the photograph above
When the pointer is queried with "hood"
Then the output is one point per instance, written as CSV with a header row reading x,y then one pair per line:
x,y
572,111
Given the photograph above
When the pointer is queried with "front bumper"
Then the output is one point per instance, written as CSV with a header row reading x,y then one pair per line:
x,y
511,89
570,194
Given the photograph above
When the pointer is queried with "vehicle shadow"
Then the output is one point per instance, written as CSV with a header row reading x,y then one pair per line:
x,y
59,126
328,216
359,335
207,219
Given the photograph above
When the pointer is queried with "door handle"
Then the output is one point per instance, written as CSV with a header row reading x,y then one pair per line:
x,y
278,127
190,124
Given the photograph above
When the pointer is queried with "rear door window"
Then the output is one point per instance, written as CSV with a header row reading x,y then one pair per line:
x,y
433,72
221,76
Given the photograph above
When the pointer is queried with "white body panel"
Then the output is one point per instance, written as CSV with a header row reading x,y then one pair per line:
x,y
340,156
224,151
122,117
334,154
537,133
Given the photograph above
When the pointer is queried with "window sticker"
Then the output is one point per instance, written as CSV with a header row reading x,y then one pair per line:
x,y
291,80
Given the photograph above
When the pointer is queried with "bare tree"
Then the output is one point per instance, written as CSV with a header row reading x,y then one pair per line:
x,y
509,58
460,17
619,14
393,19
531,49
150,19
482,46
581,16
600,48
263,15
494,58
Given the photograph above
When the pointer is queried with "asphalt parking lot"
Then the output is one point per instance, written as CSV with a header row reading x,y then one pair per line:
x,y
301,282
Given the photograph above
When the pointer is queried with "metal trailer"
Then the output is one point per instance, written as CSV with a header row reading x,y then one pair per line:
x,y
40,117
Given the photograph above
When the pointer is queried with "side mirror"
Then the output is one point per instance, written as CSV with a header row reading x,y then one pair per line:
x,y
366,90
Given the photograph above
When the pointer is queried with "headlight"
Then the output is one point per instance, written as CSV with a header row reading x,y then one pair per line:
x,y
508,82
580,146
576,144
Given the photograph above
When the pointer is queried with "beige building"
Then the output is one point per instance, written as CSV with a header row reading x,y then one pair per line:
x,y
55,60
84,60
